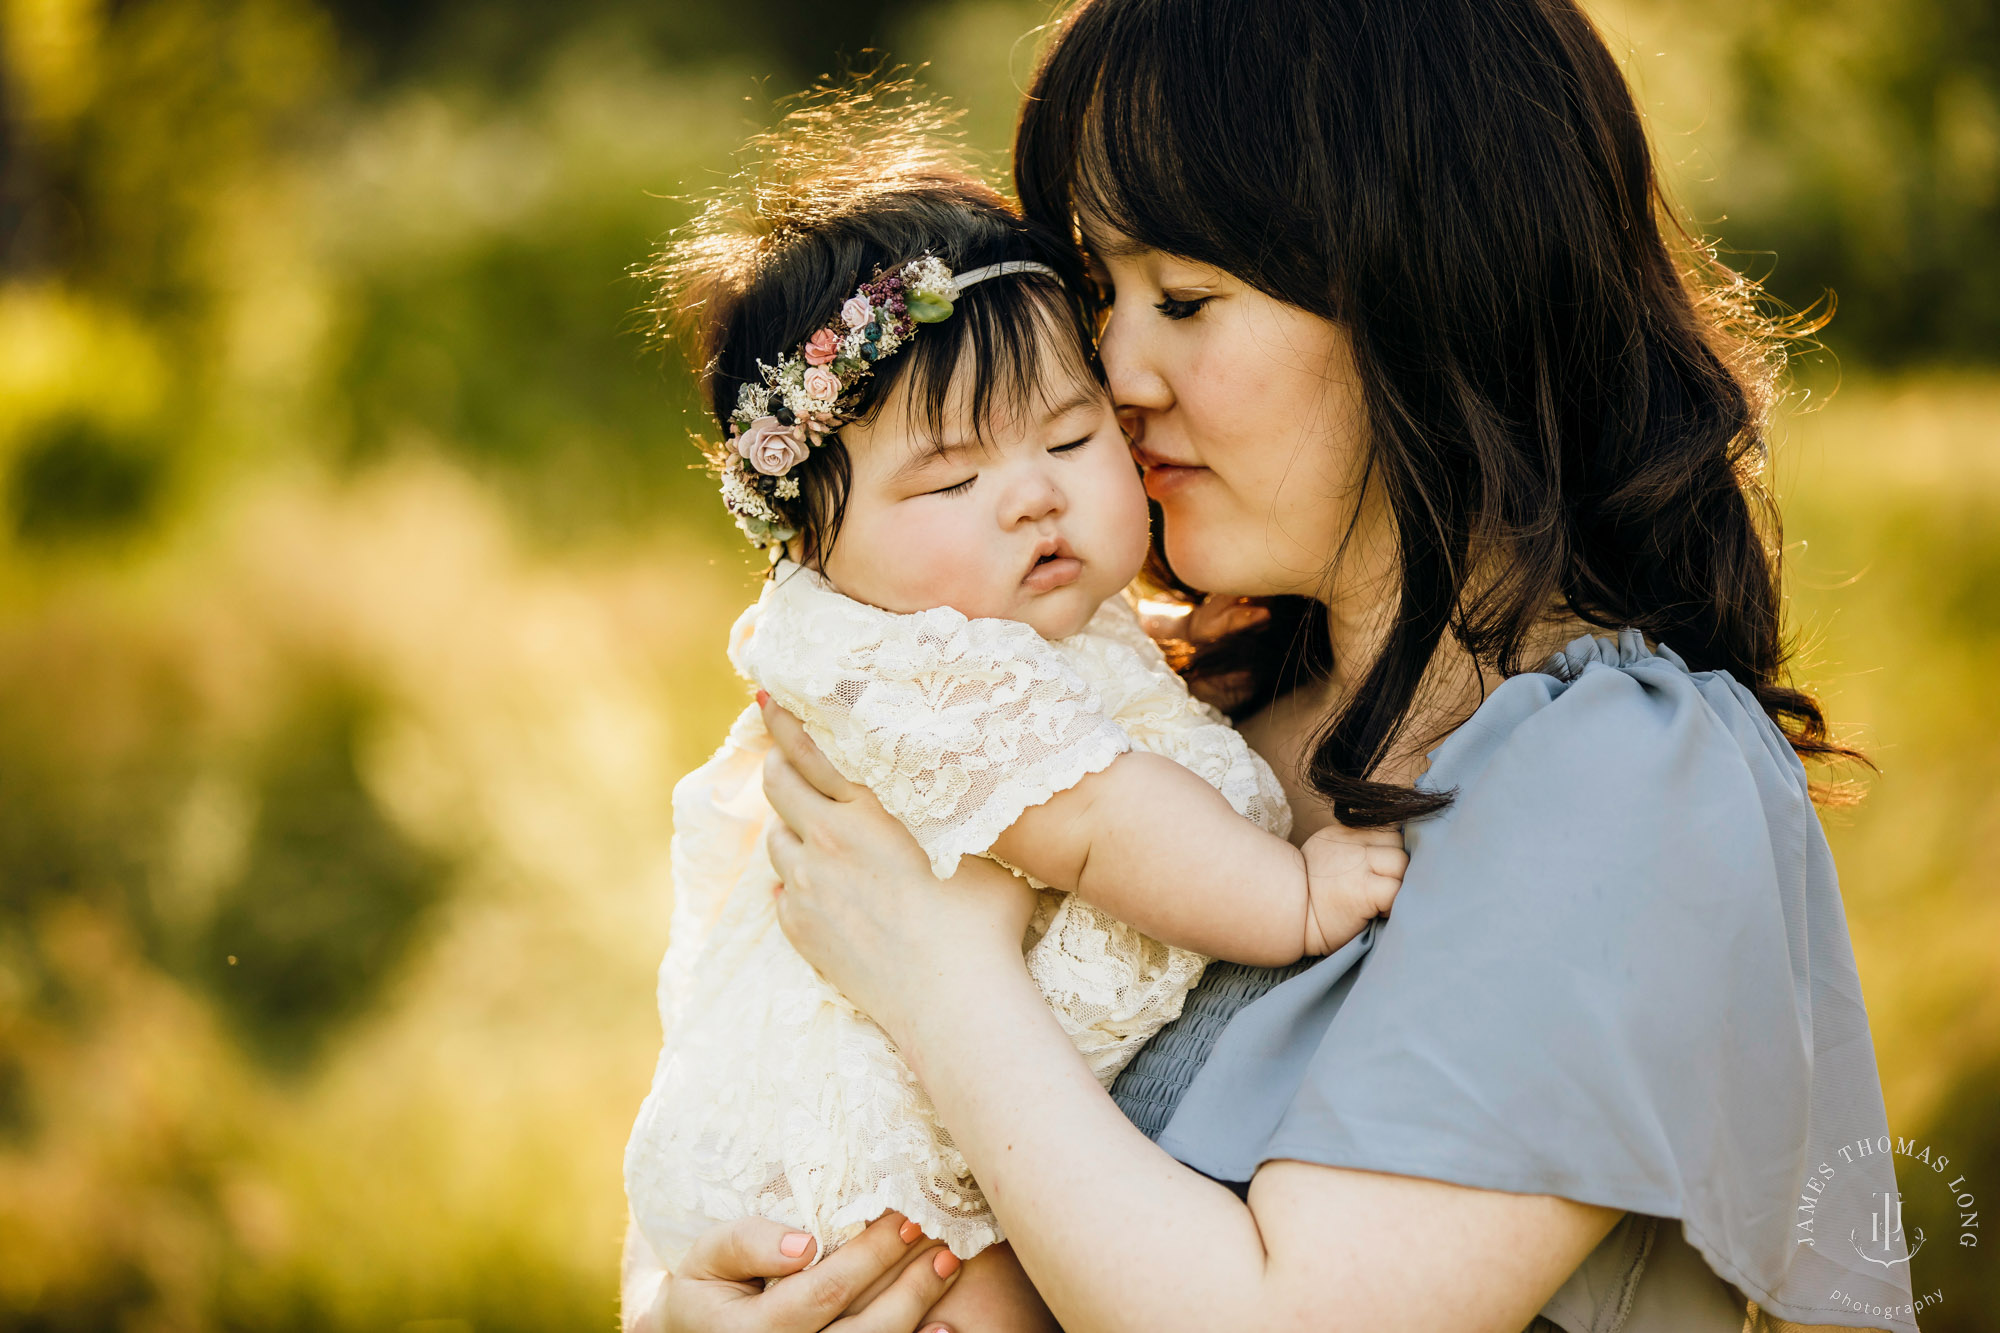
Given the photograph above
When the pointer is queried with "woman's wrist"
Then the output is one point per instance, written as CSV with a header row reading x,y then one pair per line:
x,y
936,1001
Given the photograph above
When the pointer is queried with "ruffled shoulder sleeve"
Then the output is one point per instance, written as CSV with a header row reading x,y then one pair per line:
x,y
957,725
1618,971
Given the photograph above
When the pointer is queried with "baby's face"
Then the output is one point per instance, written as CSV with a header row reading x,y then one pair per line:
x,y
1039,524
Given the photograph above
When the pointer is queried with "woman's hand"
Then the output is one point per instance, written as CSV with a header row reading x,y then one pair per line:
x,y
859,900
857,1290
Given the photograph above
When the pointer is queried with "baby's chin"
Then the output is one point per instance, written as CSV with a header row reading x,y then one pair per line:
x,y
1065,611
1055,614
1059,623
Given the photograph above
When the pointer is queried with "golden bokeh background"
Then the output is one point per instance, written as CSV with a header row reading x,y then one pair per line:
x,y
359,605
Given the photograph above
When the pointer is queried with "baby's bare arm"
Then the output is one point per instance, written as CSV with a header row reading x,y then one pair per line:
x,y
1155,846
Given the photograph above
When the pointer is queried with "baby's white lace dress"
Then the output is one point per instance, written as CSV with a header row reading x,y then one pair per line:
x,y
774,1096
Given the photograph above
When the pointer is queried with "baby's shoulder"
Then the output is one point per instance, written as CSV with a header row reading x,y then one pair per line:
x,y
1128,669
1152,705
1116,621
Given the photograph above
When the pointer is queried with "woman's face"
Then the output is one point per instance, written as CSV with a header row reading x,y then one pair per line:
x,y
1246,414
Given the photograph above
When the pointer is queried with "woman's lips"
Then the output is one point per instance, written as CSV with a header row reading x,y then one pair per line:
x,y
1163,477
1049,575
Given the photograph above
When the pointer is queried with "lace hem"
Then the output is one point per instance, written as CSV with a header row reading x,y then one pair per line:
x,y
975,833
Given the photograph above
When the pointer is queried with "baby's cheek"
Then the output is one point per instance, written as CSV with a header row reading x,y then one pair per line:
x,y
1125,518
938,559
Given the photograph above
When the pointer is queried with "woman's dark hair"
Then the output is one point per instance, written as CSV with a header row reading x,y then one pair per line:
x,y
856,181
1464,186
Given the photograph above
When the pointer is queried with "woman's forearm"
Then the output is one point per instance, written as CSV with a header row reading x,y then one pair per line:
x,y
1119,1237
1115,1233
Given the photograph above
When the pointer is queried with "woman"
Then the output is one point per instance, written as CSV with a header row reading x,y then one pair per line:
x,y
1404,351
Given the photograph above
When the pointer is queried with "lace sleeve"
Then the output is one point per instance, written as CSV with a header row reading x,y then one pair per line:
x,y
957,725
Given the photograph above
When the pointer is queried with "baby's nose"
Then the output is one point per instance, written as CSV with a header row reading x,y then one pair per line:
x,y
1037,497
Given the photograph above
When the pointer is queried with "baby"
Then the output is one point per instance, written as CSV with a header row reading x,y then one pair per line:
x,y
918,433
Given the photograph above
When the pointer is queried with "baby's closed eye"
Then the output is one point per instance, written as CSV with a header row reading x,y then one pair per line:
x,y
955,488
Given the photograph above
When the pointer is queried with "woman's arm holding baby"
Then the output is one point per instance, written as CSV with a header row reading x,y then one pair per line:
x,y
1156,846
1114,1233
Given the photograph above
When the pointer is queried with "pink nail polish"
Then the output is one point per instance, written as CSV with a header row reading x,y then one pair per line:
x,y
909,1232
945,1264
794,1245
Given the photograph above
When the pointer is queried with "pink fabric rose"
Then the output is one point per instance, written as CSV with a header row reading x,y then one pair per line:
x,y
856,314
821,383
772,449
821,347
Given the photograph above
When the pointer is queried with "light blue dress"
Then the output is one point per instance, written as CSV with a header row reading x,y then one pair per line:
x,y
1618,972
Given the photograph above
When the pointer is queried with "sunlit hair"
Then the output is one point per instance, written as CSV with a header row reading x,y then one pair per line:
x,y
856,180
1565,400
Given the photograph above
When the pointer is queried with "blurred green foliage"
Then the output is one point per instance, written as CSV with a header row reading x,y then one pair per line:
x,y
359,604
1850,146
72,479
329,895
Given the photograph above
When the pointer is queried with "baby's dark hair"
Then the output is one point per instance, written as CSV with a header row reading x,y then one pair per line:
x,y
853,183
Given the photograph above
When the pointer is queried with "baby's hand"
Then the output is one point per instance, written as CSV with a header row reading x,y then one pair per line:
x,y
1352,875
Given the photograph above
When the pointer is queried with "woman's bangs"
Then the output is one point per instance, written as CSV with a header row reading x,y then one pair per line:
x,y
1121,139
1134,171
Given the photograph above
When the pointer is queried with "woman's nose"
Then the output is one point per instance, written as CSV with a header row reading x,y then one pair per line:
x,y
1135,381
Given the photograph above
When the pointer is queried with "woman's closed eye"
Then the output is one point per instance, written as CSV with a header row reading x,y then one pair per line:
x,y
1174,307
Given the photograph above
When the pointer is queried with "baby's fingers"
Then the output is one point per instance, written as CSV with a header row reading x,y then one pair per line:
x,y
1385,876
1389,862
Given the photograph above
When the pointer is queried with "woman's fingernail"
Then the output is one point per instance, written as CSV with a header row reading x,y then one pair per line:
x,y
910,1231
795,1244
945,1264
763,699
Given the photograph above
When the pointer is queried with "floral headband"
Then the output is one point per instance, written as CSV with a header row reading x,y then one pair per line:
x,y
796,404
